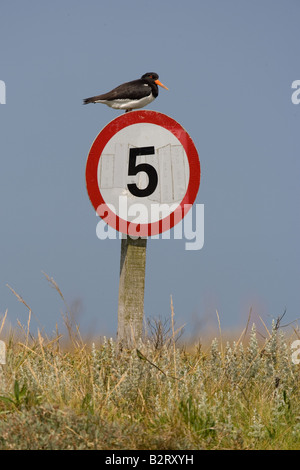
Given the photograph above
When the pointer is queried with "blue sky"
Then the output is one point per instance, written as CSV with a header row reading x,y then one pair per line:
x,y
229,66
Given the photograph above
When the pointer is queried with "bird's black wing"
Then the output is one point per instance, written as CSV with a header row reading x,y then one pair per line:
x,y
134,90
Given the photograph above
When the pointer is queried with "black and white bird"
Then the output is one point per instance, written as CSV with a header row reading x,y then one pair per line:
x,y
130,95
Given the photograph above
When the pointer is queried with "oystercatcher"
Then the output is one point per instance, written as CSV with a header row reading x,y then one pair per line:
x,y
130,95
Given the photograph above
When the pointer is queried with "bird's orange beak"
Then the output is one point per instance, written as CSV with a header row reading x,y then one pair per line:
x,y
160,84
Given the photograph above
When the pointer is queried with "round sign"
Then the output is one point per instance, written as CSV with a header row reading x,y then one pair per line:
x,y
142,173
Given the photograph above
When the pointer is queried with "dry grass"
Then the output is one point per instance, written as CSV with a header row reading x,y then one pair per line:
x,y
58,394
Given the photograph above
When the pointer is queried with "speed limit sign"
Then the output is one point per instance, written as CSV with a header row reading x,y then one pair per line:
x,y
142,173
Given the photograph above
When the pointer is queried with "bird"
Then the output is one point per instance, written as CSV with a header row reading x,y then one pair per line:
x,y
131,95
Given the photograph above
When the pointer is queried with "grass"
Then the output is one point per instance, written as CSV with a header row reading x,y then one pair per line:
x,y
242,394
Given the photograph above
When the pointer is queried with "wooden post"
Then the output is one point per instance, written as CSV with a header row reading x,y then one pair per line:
x,y
131,291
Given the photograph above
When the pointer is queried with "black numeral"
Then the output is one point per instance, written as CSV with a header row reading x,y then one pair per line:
x,y
134,169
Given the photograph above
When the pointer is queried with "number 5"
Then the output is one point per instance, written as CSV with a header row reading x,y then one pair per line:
x,y
134,169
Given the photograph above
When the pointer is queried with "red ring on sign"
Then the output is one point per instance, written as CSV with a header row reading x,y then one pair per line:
x,y
112,219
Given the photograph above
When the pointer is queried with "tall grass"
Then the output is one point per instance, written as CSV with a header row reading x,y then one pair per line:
x,y
241,394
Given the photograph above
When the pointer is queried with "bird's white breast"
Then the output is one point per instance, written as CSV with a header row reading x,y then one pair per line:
x,y
127,103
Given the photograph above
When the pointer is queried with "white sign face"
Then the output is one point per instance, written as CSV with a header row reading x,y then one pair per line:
x,y
164,179
142,173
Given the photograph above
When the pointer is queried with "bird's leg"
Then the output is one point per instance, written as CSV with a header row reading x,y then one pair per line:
x,y
127,110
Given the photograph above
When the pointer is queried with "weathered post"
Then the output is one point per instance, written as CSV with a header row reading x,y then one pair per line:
x,y
131,291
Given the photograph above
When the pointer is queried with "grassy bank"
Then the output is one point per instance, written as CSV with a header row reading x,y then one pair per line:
x,y
238,395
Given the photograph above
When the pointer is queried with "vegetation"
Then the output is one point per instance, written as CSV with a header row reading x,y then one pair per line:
x,y
158,396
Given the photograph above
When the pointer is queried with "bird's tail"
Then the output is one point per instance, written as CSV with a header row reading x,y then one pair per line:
x,y
88,100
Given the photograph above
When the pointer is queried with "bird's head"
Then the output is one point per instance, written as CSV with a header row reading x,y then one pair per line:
x,y
151,76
